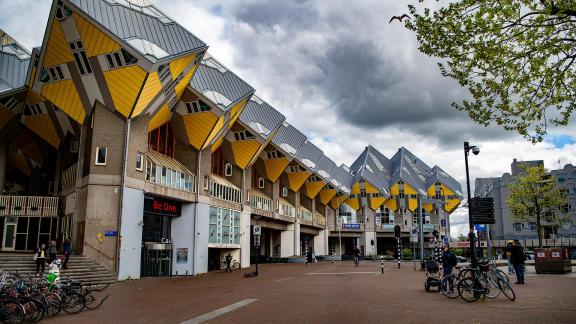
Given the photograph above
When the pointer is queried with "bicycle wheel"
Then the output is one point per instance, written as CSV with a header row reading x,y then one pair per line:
x,y
34,309
466,290
502,275
507,289
12,312
53,304
236,265
490,283
73,302
448,286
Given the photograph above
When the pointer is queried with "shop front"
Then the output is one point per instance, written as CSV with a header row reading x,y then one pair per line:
x,y
156,235
224,237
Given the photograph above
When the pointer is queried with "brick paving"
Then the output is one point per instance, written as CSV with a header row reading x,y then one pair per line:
x,y
326,293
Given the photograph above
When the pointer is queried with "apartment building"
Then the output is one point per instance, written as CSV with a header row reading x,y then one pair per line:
x,y
122,133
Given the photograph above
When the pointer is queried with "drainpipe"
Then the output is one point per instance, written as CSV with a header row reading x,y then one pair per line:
x,y
121,206
241,211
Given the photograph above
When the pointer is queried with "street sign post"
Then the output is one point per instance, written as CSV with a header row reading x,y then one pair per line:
x,y
257,231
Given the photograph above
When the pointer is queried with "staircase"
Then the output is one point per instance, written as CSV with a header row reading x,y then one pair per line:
x,y
80,268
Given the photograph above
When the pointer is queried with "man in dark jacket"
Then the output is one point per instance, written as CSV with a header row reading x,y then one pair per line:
x,y
67,250
518,256
449,260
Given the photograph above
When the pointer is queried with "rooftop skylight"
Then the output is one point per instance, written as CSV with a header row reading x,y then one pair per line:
x,y
217,98
288,148
148,48
309,163
259,128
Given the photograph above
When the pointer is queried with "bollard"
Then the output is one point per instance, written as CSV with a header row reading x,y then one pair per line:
x,y
382,265
399,253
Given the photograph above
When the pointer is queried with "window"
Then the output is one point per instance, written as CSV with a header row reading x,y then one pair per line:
x,y
62,12
139,161
284,192
51,74
101,155
228,170
163,72
120,59
32,110
261,182
401,193
533,226
11,103
239,136
74,144
80,57
517,227
272,155
197,106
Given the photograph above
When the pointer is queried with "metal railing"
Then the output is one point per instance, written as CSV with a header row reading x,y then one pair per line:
x,y
68,177
304,214
223,192
287,210
29,206
319,219
261,202
168,177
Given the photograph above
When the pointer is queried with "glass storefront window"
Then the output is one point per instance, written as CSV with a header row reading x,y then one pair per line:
x,y
224,225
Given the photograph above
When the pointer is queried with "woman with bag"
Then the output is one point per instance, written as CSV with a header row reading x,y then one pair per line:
x,y
40,258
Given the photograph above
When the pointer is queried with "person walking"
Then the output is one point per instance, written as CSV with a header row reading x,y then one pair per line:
x,y
518,257
449,261
67,248
40,258
228,262
509,257
52,251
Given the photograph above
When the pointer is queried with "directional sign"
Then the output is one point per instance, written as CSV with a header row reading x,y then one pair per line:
x,y
257,230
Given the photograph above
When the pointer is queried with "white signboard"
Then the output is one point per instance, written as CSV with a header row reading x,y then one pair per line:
x,y
257,230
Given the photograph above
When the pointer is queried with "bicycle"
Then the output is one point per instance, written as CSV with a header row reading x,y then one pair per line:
x,y
235,265
481,285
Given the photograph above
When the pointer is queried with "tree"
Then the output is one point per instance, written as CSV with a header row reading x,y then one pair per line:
x,y
463,238
516,57
535,198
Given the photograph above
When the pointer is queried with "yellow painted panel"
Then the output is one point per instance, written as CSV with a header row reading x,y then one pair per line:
x,y
297,179
94,40
217,144
5,116
217,127
313,188
353,203
237,109
181,86
391,204
162,117
432,191
394,190
376,202
149,92
428,207
32,76
275,167
63,94
198,127
43,126
244,151
57,50
452,205
413,204
326,195
355,188
370,188
179,65
408,190
124,85
19,161
337,201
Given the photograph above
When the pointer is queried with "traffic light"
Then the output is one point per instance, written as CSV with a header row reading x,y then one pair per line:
x,y
397,231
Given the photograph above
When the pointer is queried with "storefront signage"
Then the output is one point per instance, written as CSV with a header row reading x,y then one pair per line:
x,y
182,255
161,206
351,226
166,240
111,233
541,255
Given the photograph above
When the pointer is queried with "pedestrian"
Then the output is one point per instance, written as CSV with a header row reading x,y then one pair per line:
x,y
518,257
228,262
40,258
52,251
449,261
509,257
314,257
67,249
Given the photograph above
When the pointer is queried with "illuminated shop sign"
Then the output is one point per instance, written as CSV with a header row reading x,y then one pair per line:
x,y
161,206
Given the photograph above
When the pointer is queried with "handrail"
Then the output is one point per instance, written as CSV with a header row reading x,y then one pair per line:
x,y
29,206
261,202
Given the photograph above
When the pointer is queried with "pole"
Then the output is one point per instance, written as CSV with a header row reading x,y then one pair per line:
x,y
474,262
382,264
488,240
257,256
414,255
340,240
399,255
421,233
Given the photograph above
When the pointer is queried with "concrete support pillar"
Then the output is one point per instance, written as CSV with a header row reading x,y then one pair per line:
x,y
297,249
3,162
369,236
321,243
245,238
287,241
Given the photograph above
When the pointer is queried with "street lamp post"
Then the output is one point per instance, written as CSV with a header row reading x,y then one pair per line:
x,y
475,150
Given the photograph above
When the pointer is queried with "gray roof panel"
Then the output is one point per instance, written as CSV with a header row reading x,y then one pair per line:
x,y
310,155
128,21
373,166
289,139
221,80
261,117
14,63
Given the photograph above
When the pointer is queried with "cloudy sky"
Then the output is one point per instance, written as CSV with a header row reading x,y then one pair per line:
x,y
344,76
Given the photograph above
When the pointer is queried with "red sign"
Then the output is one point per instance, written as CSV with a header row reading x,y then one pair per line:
x,y
160,206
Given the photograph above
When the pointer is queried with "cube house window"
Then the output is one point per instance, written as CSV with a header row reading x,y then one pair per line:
x,y
139,161
228,170
101,155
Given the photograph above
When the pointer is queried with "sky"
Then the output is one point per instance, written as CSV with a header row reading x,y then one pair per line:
x,y
345,77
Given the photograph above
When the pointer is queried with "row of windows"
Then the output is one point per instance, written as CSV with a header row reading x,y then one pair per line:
x,y
119,59
51,74
11,103
32,110
243,135
197,106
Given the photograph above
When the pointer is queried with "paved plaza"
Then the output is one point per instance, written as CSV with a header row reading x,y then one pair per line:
x,y
325,293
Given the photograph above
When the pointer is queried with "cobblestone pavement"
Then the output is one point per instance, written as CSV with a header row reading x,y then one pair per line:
x,y
326,293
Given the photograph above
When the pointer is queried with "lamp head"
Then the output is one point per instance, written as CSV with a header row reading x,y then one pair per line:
x,y
475,150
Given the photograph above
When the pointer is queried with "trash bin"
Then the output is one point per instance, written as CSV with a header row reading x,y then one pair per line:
x,y
552,260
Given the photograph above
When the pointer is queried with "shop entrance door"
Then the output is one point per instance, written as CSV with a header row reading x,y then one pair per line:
x,y
156,260
9,241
